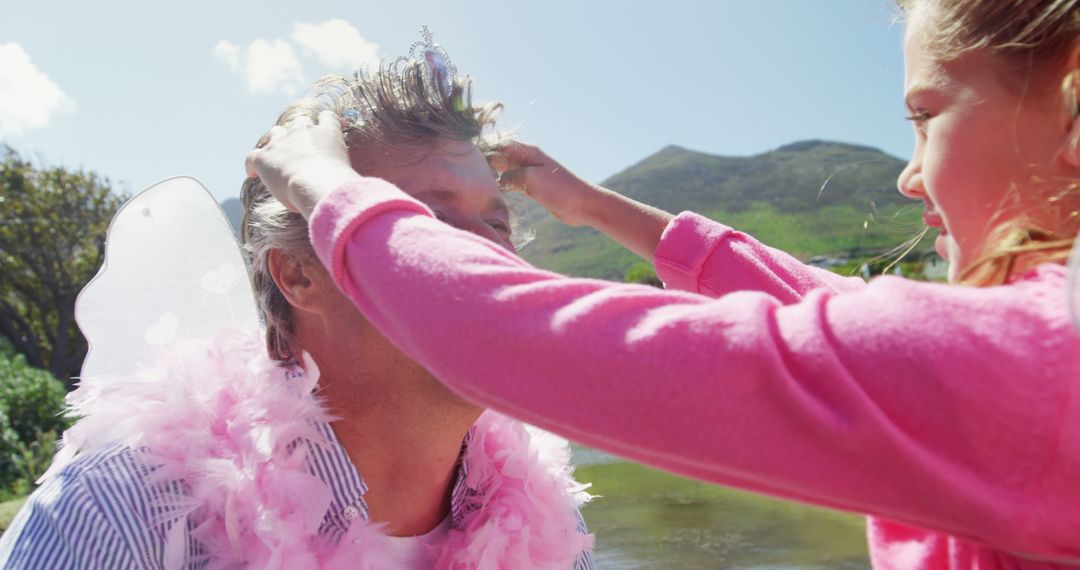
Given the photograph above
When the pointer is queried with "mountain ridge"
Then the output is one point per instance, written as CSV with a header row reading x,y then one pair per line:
x,y
810,198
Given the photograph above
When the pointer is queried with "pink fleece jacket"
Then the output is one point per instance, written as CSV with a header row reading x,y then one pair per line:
x,y
944,408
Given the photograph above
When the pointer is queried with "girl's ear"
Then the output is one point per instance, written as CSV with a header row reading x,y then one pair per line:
x,y
1070,97
1070,150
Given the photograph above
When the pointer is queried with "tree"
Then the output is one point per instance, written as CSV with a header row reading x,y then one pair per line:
x,y
52,242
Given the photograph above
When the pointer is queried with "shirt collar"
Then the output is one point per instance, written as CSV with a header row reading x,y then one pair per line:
x,y
332,465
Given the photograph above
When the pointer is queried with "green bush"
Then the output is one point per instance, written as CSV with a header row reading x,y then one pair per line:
x,y
912,269
31,461
642,272
31,402
6,350
31,398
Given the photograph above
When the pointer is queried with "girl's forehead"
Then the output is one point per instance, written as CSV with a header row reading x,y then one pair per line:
x,y
919,25
925,69
920,66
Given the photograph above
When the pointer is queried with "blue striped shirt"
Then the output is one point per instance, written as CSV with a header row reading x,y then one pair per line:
x,y
98,512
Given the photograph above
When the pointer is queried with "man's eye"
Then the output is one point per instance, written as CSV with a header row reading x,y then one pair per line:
x,y
499,226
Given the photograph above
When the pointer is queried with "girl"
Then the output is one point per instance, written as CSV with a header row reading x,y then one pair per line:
x,y
947,413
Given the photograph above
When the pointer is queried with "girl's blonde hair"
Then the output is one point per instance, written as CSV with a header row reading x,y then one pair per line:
x,y
401,104
1030,38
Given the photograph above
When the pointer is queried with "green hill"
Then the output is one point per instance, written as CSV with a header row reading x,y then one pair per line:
x,y
808,198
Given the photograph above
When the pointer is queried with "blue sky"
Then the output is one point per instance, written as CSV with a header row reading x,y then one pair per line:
x,y
140,91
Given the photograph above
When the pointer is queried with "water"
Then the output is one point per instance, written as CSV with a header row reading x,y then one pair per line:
x,y
647,519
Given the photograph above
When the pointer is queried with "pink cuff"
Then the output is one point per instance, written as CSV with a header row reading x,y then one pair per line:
x,y
686,243
337,216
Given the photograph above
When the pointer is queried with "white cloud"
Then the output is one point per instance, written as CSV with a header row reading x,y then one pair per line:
x,y
337,45
229,53
271,65
28,98
266,66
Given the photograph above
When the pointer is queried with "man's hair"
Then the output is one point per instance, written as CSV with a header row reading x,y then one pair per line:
x,y
402,104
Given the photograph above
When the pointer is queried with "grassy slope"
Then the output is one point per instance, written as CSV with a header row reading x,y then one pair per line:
x,y
8,510
808,198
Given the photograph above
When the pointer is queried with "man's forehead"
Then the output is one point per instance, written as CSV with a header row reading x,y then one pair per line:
x,y
446,175
399,154
450,170
495,202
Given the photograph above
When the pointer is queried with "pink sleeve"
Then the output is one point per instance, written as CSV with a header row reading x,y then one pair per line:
x,y
943,407
703,256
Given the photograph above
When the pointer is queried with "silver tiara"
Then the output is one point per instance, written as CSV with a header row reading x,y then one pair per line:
x,y
439,72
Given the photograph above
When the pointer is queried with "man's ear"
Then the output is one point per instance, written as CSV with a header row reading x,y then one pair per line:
x,y
293,277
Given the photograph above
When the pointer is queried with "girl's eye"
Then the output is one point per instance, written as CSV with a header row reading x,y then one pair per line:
x,y
919,116
439,216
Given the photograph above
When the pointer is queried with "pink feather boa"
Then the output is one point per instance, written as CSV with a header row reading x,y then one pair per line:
x,y
220,417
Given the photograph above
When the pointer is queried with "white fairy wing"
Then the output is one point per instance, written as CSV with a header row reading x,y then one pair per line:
x,y
1074,284
173,270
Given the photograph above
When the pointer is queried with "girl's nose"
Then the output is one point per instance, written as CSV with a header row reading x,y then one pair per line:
x,y
910,180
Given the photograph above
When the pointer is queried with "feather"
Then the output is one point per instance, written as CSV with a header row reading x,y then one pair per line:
x,y
221,419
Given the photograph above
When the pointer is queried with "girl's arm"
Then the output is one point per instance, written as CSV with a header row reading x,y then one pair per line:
x,y
942,407
639,228
700,255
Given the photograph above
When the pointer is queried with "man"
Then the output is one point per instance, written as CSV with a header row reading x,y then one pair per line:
x,y
247,471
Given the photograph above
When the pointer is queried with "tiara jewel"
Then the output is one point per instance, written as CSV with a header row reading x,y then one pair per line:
x,y
440,71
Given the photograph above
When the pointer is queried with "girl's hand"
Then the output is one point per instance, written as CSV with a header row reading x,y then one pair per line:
x,y
574,202
303,161
525,168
